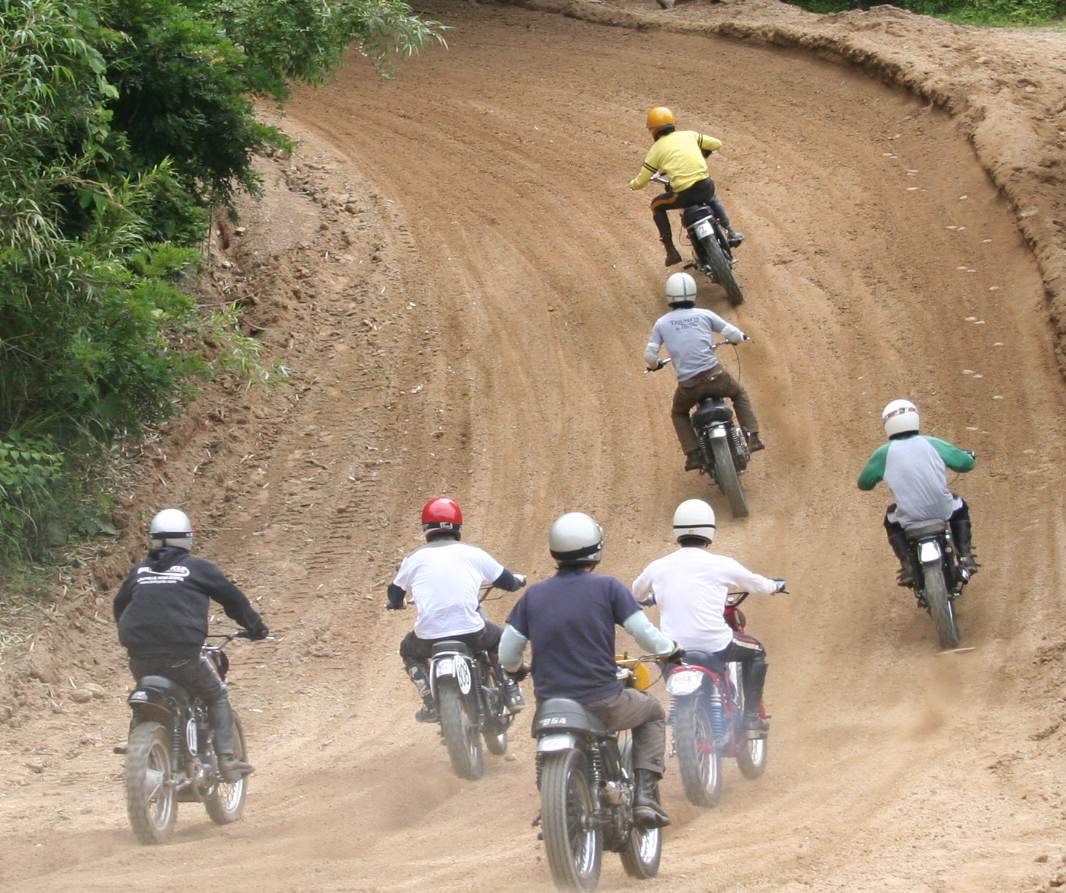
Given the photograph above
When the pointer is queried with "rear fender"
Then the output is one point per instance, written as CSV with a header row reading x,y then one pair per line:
x,y
454,667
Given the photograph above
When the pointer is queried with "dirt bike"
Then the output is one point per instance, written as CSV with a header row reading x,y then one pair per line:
x,y
471,694
587,784
170,754
712,253
707,718
940,578
723,447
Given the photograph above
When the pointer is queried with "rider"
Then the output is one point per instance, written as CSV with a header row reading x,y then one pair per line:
x,y
162,612
680,155
690,586
914,466
688,333
444,578
570,621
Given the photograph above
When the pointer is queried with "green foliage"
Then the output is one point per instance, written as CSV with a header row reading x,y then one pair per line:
x,y
122,122
968,12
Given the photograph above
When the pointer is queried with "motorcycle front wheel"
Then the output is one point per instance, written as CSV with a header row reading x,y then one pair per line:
x,y
461,734
697,758
644,848
574,843
151,802
725,472
225,802
723,272
941,608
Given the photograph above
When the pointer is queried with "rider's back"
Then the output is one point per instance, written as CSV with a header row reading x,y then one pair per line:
x,y
680,156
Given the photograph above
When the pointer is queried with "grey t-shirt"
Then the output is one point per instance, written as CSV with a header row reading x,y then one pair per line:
x,y
688,334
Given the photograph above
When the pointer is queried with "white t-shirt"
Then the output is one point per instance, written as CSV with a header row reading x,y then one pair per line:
x,y
443,579
690,588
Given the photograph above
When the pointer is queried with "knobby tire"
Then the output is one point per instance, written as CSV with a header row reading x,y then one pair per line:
x,y
725,472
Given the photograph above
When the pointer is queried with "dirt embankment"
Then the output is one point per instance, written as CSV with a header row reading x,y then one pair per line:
x,y
1005,87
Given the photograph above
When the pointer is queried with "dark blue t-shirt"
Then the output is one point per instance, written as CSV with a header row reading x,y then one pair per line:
x,y
570,620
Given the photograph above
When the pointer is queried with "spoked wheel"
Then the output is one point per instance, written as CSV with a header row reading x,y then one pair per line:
x,y
151,803
573,842
725,472
461,734
699,761
644,849
225,802
722,269
941,608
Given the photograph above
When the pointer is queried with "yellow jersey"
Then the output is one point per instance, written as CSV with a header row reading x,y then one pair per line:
x,y
679,156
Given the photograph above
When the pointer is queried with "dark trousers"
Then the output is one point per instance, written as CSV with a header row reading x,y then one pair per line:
x,y
701,193
415,651
751,655
198,676
894,528
639,711
715,383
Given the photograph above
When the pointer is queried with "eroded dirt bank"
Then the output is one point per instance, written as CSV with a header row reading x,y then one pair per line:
x,y
464,287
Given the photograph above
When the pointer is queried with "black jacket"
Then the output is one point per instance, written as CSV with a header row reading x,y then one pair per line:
x,y
162,606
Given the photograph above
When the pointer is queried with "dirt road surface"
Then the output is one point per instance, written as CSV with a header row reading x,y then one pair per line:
x,y
463,286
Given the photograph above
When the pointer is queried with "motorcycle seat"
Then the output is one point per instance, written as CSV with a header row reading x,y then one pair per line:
x,y
163,686
711,410
694,214
450,645
924,529
564,714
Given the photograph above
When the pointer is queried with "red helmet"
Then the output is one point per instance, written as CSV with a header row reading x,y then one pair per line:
x,y
442,513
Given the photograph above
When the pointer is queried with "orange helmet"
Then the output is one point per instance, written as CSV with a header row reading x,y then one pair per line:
x,y
660,117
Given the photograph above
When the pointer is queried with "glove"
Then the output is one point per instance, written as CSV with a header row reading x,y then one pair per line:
x,y
781,585
675,656
521,673
258,633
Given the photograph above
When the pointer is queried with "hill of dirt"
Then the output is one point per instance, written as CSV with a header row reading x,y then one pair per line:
x,y
462,287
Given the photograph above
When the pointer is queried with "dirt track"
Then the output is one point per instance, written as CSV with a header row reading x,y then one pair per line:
x,y
470,319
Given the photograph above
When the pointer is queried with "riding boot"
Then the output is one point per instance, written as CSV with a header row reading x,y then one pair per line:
x,y
428,711
672,257
647,812
231,769
694,460
962,533
513,694
753,678
908,572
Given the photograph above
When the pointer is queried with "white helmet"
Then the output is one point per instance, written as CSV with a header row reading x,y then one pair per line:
x,y
575,538
899,417
694,517
171,527
680,287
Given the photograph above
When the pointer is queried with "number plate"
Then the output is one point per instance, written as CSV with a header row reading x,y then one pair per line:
x,y
704,229
551,743
684,682
929,551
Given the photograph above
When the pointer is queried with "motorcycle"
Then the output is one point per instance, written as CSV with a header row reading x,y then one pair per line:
x,y
471,694
940,578
170,754
712,253
707,718
587,785
723,447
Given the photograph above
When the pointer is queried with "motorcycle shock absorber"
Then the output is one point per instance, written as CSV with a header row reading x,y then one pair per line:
x,y
718,729
596,767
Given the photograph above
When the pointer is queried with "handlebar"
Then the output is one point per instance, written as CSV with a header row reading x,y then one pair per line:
x,y
236,634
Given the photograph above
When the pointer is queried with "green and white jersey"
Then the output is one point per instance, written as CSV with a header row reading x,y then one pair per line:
x,y
915,470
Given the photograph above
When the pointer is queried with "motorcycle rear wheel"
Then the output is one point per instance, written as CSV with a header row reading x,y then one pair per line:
x,y
697,758
461,734
725,472
151,804
723,272
225,802
940,605
644,848
573,843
